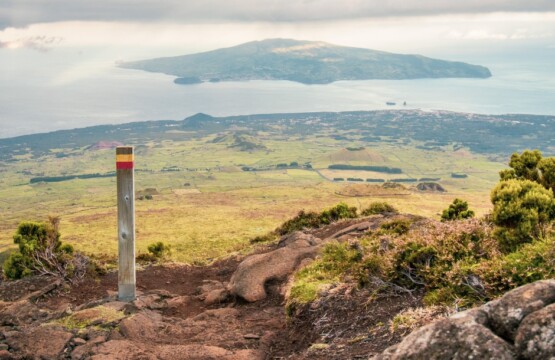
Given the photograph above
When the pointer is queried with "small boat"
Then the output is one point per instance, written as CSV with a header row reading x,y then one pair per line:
x,y
390,103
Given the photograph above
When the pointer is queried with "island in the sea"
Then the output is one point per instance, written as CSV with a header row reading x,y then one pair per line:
x,y
308,62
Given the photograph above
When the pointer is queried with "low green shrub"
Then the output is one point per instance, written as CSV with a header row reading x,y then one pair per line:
x,y
312,219
156,252
379,208
17,266
303,220
396,226
338,212
159,249
531,262
40,252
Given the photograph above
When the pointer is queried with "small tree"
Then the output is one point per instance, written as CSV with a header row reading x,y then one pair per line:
x,y
523,166
531,165
523,209
457,210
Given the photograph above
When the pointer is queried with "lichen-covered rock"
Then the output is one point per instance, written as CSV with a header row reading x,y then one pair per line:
x,y
254,272
456,339
519,325
506,314
535,337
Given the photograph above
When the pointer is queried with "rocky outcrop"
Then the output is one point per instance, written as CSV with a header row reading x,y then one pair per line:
x,y
535,338
519,325
507,314
430,186
461,338
249,280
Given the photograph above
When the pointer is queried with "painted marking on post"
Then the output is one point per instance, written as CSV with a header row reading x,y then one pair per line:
x,y
126,223
124,161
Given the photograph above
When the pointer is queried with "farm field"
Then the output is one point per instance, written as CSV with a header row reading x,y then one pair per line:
x,y
210,198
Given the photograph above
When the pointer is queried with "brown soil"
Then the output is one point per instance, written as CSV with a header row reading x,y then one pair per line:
x,y
177,279
351,324
345,323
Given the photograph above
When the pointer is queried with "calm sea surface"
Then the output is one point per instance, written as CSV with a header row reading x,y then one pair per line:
x,y
60,90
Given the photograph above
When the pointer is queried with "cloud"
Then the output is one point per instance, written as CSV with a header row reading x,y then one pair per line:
x,y
39,43
20,13
482,34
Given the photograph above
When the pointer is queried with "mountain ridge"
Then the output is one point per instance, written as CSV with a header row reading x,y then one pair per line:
x,y
481,133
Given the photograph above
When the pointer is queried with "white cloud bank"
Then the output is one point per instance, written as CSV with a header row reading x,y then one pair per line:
x,y
19,13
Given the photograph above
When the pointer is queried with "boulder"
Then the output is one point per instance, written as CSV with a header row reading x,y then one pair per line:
x,y
20,312
144,325
506,314
212,292
307,239
121,350
453,338
43,342
148,301
86,350
535,337
519,325
178,301
254,272
430,186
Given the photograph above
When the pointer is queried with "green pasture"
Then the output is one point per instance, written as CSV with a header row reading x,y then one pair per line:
x,y
227,206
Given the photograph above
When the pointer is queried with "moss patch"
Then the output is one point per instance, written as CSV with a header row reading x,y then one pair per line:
x,y
102,317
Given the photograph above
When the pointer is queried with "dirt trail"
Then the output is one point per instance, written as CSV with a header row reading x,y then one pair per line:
x,y
186,312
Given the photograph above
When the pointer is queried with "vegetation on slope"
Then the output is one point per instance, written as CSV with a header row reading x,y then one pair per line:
x,y
40,252
459,262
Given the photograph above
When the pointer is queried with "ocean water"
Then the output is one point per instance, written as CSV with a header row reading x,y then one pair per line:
x,y
67,89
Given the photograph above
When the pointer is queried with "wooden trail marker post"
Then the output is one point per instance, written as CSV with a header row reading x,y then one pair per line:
x,y
126,222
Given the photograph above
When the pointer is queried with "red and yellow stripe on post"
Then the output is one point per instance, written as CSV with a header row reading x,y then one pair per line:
x,y
124,157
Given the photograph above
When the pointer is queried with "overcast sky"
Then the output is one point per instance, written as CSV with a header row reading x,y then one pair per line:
x,y
17,13
57,44
195,25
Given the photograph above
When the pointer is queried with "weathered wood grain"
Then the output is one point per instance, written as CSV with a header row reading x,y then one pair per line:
x,y
126,229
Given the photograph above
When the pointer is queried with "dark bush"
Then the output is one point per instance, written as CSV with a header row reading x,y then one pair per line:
x,y
303,220
338,212
379,208
523,211
312,219
457,210
159,249
397,226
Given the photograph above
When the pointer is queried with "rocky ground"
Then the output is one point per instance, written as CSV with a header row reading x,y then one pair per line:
x,y
234,309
